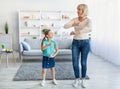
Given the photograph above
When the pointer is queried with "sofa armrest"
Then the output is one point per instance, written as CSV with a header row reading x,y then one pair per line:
x,y
21,47
71,46
20,52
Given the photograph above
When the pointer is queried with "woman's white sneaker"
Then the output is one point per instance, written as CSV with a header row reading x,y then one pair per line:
x,y
76,82
83,83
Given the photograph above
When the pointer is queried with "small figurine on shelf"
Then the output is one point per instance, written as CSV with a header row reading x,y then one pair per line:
x,y
65,17
52,24
34,37
26,24
33,17
28,33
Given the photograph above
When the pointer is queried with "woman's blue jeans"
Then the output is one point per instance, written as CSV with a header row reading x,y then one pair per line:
x,y
80,48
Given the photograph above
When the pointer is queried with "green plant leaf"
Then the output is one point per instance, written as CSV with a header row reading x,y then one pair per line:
x,y
6,28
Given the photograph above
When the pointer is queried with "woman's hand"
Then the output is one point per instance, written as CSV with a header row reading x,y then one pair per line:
x,y
75,32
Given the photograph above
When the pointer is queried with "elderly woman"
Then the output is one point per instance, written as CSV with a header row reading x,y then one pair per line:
x,y
80,44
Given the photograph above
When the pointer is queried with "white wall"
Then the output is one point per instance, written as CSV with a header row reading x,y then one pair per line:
x,y
119,28
9,11
106,35
104,14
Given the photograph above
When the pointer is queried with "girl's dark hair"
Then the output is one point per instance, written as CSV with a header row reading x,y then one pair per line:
x,y
45,33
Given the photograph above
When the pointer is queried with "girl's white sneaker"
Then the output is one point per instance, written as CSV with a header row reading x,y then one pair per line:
x,y
54,82
43,83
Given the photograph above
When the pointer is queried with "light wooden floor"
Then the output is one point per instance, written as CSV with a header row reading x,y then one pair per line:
x,y
103,75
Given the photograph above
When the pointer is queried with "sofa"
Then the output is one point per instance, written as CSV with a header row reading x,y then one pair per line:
x,y
36,53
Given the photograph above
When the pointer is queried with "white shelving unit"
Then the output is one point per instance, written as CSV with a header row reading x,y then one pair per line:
x,y
31,23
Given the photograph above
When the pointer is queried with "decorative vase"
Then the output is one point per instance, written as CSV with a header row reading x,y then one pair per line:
x,y
3,49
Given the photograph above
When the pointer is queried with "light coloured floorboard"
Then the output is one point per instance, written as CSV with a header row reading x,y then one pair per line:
x,y
103,75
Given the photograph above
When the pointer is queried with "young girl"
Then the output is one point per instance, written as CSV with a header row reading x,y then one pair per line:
x,y
50,50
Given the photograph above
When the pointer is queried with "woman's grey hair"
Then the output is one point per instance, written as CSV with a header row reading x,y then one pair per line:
x,y
84,7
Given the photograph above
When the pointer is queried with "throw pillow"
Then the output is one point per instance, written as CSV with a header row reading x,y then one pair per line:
x,y
26,46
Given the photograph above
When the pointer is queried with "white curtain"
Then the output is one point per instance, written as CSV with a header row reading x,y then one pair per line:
x,y
105,35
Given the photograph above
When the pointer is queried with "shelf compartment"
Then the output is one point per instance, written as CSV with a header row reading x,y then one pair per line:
x,y
30,28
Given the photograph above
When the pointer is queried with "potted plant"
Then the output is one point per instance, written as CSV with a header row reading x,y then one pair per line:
x,y
3,47
6,28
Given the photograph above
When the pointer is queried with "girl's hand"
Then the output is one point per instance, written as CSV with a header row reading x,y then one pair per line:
x,y
51,56
50,44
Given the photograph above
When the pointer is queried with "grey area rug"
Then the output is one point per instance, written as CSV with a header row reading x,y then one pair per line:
x,y
33,71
